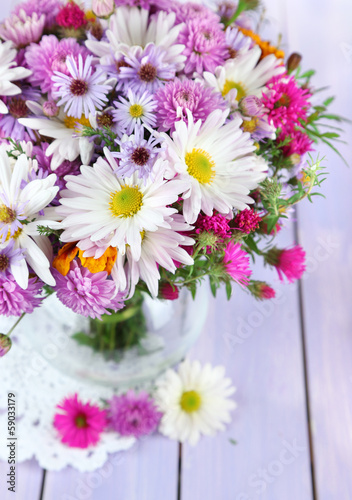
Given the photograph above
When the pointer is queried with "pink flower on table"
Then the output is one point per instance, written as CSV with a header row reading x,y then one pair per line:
x,y
79,424
289,262
133,414
236,263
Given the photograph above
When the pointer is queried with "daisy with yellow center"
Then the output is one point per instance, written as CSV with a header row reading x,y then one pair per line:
x,y
111,211
136,110
215,159
195,400
245,75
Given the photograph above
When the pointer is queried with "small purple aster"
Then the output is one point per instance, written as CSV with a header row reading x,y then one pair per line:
x,y
137,110
137,154
15,301
146,69
9,256
186,94
50,55
10,216
87,293
205,45
133,414
237,43
83,91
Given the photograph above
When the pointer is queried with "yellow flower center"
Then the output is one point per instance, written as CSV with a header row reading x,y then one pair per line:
x,y
143,234
71,122
190,401
7,215
127,202
136,110
250,125
241,89
200,166
15,235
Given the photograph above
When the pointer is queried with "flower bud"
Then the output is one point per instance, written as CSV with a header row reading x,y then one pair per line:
x,y
168,291
103,8
50,109
293,61
5,344
250,105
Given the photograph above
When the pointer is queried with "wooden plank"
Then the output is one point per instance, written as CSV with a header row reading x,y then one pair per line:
x,y
324,34
147,471
260,345
29,478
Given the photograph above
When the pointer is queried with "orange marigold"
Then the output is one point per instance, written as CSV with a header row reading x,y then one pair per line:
x,y
265,46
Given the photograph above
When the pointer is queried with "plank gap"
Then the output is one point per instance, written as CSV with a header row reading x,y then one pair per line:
x,y
179,472
41,497
305,370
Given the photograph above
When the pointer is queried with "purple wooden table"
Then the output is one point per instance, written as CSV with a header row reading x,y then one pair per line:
x,y
290,359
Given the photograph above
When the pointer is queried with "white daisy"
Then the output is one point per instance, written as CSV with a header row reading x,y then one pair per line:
x,y
135,110
159,248
23,202
67,144
100,206
131,27
244,75
215,160
9,72
194,401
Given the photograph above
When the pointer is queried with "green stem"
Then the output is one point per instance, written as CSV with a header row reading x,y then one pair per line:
x,y
14,326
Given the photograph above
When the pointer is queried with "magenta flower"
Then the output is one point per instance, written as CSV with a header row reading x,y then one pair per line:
x,y
23,29
236,263
49,56
168,291
82,91
133,414
216,224
186,94
247,220
71,16
261,290
286,101
289,262
87,293
205,45
15,301
79,424
299,143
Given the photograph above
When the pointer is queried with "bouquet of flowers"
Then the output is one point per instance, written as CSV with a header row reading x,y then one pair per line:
x,y
146,145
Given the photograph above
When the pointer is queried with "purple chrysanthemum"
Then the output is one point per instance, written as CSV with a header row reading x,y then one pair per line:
x,y
87,293
133,414
22,29
186,94
17,108
191,10
137,154
205,45
236,263
15,301
147,69
49,56
48,7
83,91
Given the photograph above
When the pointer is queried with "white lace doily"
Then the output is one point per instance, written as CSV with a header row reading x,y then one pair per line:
x,y
38,389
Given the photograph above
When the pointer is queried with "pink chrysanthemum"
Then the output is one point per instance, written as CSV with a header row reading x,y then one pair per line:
x,y
205,45
49,56
299,143
71,16
236,263
286,101
15,301
23,29
151,5
216,224
186,94
247,220
191,10
289,262
79,424
48,7
87,293
133,414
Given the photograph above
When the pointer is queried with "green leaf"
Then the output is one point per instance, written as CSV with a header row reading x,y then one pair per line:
x,y
83,339
328,101
271,222
228,290
232,441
